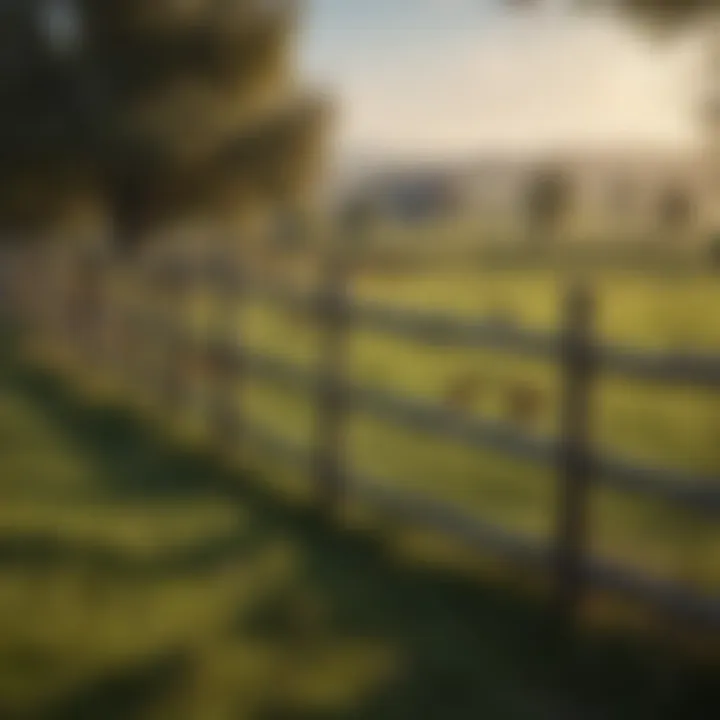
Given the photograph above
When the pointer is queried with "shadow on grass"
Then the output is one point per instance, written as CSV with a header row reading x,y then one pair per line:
x,y
457,649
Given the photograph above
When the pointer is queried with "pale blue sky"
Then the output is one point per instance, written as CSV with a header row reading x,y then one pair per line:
x,y
455,76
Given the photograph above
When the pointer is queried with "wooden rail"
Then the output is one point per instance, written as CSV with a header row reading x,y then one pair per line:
x,y
431,328
697,492
229,363
525,552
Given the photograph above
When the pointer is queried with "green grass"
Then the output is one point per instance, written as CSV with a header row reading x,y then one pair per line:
x,y
669,426
140,578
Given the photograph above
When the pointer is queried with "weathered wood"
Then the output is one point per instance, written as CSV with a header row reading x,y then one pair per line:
x,y
428,328
223,369
331,399
575,456
224,364
173,287
667,597
696,492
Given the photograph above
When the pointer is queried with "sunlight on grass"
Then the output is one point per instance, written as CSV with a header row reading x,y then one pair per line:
x,y
666,426
143,580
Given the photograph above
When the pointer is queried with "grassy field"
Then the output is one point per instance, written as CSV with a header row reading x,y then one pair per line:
x,y
140,578
677,427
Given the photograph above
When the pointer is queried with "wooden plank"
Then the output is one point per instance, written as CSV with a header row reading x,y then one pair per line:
x,y
575,468
432,328
666,596
694,491
330,396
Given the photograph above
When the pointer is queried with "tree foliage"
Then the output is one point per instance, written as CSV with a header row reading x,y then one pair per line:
x,y
547,200
665,14
161,110
662,16
675,208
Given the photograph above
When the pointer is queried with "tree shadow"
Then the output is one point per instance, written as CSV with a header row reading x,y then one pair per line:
x,y
125,693
468,650
458,648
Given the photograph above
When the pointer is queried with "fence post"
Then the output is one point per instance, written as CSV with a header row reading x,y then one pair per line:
x,y
130,338
171,298
221,362
331,401
99,262
86,305
115,361
575,452
145,342
153,328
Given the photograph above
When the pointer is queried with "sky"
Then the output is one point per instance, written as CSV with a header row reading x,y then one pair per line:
x,y
448,77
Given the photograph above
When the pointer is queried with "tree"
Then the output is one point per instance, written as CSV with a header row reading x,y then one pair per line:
x,y
41,128
547,200
667,19
165,111
665,15
675,209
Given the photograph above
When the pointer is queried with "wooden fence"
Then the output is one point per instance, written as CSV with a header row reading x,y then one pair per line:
x,y
224,364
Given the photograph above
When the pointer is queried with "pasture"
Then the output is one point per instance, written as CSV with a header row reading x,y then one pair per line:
x,y
142,577
667,426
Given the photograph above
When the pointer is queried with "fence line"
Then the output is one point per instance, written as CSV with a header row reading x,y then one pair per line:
x,y
328,386
525,552
695,491
497,334
575,466
227,363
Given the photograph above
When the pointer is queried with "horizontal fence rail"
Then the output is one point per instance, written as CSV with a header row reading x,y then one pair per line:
x,y
438,329
219,365
526,552
694,491
499,334
664,367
